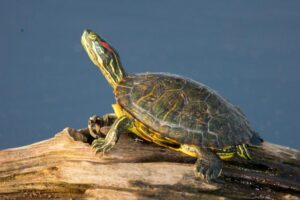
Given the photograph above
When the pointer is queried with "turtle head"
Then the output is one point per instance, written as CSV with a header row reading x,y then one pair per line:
x,y
104,56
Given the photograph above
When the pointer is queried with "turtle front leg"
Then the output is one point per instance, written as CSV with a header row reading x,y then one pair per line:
x,y
208,166
105,144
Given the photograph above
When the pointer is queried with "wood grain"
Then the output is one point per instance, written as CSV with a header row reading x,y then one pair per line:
x,y
65,167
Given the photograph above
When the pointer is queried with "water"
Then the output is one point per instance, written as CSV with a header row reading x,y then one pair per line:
x,y
246,50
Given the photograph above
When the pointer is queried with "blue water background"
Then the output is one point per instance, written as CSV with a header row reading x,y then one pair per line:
x,y
249,51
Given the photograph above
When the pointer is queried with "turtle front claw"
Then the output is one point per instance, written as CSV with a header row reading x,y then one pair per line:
x,y
101,145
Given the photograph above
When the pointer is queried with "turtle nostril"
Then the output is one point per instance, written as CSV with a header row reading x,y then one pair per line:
x,y
87,30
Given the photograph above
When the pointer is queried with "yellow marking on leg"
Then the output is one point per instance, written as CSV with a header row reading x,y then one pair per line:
x,y
240,152
118,110
243,152
110,137
226,156
226,152
246,151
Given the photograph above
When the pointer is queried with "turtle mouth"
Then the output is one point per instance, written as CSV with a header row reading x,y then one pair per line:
x,y
86,42
84,37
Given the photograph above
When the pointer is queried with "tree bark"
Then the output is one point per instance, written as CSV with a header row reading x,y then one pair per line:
x,y
66,167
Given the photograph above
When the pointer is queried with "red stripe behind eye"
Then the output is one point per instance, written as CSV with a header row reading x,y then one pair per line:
x,y
105,45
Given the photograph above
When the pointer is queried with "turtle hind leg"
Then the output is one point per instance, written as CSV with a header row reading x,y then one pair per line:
x,y
208,166
122,124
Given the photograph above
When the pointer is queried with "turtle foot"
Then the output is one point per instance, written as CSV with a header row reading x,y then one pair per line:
x,y
112,137
101,145
208,170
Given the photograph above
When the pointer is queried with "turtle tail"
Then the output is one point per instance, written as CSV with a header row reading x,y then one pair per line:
x,y
256,139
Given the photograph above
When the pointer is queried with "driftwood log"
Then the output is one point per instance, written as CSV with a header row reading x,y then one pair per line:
x,y
66,167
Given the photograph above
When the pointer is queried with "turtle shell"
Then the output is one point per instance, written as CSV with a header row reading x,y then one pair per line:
x,y
183,110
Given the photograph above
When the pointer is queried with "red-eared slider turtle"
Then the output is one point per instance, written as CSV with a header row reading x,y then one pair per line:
x,y
171,111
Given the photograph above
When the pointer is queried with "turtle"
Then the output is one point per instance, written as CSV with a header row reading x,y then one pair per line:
x,y
171,111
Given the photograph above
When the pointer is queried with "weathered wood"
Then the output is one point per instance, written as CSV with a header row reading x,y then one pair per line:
x,y
62,167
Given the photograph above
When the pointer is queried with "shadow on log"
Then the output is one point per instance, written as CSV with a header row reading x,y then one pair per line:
x,y
66,167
